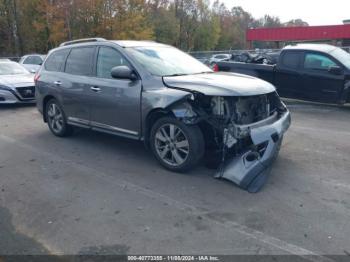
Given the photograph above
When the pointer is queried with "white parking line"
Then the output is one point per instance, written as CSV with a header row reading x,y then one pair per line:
x,y
338,184
316,129
229,225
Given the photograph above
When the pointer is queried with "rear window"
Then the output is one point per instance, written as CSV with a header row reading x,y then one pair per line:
x,y
291,60
79,61
33,60
56,60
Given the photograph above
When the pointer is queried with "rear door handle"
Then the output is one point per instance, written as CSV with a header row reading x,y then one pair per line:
x,y
95,89
57,83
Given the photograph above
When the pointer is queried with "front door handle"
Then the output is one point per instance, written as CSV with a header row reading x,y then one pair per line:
x,y
57,83
95,89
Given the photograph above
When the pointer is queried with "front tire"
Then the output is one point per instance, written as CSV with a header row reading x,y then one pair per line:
x,y
56,119
177,147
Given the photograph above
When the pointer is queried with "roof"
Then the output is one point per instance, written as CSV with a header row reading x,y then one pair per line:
x,y
306,33
122,43
33,55
312,47
131,43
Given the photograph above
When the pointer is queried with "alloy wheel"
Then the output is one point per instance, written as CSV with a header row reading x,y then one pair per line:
x,y
55,118
172,145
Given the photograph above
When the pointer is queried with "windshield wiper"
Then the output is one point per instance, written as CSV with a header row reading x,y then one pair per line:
x,y
175,75
204,72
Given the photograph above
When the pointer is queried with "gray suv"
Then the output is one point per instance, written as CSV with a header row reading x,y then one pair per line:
x,y
155,93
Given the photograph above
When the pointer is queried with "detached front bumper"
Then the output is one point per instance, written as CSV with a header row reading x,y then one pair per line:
x,y
250,169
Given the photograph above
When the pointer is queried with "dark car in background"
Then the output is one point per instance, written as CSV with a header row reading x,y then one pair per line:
x,y
315,72
179,107
260,57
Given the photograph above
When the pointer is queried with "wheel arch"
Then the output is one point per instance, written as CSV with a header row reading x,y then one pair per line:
x,y
150,119
180,109
45,101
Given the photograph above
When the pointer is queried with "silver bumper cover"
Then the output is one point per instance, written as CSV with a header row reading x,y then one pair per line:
x,y
249,170
7,97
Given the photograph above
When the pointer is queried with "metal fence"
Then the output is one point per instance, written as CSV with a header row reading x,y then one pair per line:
x,y
202,55
12,58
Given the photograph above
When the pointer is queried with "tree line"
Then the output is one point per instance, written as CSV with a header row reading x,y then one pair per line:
x,y
39,25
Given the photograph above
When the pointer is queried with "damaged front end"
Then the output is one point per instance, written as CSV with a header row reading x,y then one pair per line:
x,y
243,133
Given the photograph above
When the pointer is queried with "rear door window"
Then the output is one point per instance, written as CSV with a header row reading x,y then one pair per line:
x,y
80,61
291,60
56,60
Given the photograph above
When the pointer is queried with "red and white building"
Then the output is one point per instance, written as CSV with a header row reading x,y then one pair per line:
x,y
334,34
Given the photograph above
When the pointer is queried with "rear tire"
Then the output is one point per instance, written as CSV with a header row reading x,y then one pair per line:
x,y
177,146
56,119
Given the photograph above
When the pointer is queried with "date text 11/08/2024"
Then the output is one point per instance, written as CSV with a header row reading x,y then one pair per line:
x,y
173,258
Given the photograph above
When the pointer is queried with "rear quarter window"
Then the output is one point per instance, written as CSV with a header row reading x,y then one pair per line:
x,y
56,60
291,60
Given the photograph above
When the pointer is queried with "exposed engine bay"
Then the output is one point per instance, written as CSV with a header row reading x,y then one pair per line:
x,y
232,131
230,117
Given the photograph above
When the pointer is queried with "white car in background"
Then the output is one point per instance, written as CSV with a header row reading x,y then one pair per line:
x,y
32,62
218,57
16,83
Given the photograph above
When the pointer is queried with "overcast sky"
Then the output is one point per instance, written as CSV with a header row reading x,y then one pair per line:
x,y
321,12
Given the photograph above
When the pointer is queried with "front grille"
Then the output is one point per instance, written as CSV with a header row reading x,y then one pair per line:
x,y
26,92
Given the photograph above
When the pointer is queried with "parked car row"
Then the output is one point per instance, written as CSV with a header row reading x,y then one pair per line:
x,y
180,108
267,58
259,57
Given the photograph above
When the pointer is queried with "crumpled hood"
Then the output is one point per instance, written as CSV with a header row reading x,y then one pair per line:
x,y
221,84
13,81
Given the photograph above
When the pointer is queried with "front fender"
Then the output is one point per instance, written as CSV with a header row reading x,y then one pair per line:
x,y
160,100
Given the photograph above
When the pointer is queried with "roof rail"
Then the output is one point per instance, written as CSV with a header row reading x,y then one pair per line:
x,y
84,40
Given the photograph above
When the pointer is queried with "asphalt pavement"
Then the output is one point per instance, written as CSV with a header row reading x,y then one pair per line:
x,y
96,193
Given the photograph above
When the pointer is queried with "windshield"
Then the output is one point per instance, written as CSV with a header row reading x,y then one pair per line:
x,y
342,56
12,69
167,61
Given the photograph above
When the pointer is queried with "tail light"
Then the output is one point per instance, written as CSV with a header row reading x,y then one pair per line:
x,y
216,68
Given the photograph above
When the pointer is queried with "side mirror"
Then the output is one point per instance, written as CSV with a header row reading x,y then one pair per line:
x,y
123,72
335,70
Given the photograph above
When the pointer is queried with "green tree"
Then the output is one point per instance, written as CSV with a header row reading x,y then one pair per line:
x,y
39,25
207,32
295,22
